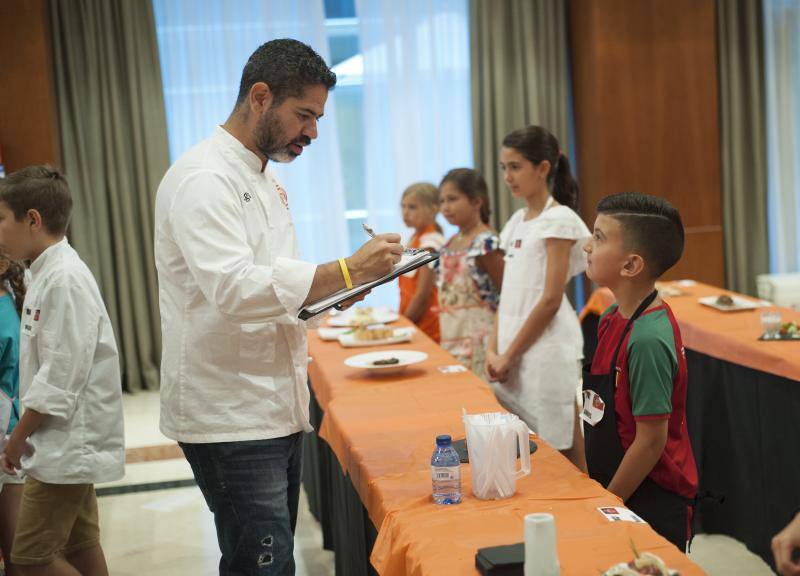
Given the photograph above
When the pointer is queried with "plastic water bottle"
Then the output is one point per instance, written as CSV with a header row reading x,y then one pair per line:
x,y
446,472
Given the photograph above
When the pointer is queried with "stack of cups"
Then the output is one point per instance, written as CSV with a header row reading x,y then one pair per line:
x,y
541,557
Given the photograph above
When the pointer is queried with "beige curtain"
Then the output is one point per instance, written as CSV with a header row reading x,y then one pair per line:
x,y
519,77
743,141
114,143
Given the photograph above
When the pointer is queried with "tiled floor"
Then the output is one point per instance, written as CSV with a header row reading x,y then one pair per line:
x,y
171,532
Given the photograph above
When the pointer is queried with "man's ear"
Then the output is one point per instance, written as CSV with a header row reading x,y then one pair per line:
x,y
632,266
260,97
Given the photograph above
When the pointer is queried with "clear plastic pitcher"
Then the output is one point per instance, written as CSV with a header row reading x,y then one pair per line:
x,y
492,441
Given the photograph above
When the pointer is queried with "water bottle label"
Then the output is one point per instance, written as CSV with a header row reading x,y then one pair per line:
x,y
445,473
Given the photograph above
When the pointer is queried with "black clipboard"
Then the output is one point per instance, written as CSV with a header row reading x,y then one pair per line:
x,y
407,264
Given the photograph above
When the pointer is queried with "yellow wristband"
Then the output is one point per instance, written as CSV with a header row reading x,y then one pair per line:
x,y
346,273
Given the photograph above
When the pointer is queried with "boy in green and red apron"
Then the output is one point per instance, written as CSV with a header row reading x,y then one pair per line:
x,y
637,442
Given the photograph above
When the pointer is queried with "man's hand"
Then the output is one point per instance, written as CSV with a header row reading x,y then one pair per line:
x,y
784,546
344,305
374,259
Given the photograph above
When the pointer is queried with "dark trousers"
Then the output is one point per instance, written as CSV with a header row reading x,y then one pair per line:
x,y
253,489
665,511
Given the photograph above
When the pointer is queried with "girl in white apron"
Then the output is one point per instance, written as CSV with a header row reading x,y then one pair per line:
x,y
535,355
469,270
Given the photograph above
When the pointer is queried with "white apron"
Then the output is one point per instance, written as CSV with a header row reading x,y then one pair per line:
x,y
542,385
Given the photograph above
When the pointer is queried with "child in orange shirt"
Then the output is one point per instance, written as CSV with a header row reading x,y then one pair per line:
x,y
418,298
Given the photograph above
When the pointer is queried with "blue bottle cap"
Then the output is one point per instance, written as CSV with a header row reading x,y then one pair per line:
x,y
444,440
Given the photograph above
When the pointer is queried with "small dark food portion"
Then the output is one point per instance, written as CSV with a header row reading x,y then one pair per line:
x,y
386,362
725,300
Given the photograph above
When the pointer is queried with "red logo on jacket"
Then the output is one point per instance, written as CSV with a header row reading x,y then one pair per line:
x,y
284,196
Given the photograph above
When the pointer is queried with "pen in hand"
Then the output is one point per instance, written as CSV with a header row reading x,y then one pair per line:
x,y
371,233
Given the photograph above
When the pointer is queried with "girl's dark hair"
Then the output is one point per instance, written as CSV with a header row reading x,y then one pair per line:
x,y
472,185
537,144
15,276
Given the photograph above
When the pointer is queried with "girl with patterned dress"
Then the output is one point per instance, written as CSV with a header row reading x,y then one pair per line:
x,y
469,270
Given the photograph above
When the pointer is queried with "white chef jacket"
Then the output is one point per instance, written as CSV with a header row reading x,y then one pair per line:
x,y
69,370
231,285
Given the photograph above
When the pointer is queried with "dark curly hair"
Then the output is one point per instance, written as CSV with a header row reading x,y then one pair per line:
x,y
287,66
15,276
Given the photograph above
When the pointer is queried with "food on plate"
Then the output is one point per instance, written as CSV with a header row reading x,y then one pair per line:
x,y
370,334
363,316
644,563
789,328
386,362
724,300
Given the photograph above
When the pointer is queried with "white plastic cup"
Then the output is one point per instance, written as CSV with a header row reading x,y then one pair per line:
x,y
541,555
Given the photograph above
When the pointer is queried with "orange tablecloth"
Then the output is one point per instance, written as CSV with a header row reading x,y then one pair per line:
x,y
382,430
729,336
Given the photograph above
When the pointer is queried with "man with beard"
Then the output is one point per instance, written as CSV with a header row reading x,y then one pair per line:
x,y
233,372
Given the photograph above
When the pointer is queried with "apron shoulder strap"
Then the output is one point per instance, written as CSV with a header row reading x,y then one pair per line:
x,y
639,311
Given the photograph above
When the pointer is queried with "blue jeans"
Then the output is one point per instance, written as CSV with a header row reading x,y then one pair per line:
x,y
253,489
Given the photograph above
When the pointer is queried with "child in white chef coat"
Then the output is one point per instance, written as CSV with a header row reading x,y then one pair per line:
x,y
70,434
535,354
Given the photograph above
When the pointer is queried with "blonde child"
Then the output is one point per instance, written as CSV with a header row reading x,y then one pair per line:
x,y
12,293
469,271
537,347
418,297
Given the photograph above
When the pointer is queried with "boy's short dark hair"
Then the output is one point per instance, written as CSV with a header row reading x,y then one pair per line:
x,y
287,66
39,188
651,226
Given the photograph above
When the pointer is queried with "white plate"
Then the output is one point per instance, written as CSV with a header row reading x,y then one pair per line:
x,y
738,304
332,334
349,340
378,316
366,361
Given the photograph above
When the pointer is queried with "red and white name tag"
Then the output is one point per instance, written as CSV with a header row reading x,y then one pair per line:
x,y
593,407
